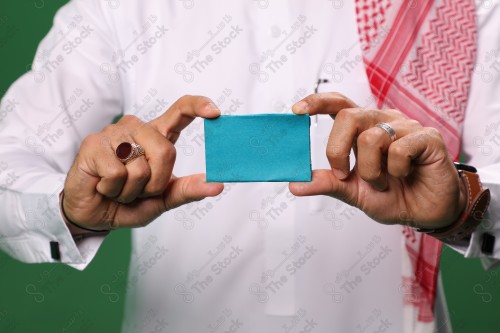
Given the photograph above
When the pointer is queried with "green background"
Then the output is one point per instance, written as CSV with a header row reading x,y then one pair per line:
x,y
53,297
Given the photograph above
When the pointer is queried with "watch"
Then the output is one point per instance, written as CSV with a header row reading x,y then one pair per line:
x,y
477,201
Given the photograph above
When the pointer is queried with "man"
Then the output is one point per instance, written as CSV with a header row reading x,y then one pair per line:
x,y
252,257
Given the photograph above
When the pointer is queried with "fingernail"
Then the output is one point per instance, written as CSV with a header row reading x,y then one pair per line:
x,y
301,107
339,173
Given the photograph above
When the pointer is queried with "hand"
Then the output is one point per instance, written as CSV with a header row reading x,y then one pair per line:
x,y
103,193
410,181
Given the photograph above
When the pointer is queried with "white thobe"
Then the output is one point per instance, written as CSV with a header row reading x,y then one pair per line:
x,y
255,258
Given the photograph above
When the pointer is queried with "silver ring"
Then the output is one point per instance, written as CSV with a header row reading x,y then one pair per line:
x,y
386,127
127,151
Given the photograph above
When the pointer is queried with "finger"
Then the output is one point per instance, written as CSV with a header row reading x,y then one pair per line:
x,y
97,159
179,191
324,182
190,188
372,146
138,174
419,147
160,155
340,141
138,170
323,103
348,125
182,113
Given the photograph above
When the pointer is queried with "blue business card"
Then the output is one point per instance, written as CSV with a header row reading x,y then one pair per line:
x,y
258,148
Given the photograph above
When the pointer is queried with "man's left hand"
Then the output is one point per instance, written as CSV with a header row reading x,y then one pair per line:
x,y
408,180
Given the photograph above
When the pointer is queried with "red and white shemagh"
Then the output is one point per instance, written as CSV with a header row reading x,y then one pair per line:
x,y
419,58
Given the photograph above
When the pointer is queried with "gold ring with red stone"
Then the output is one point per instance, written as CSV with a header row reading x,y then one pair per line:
x,y
127,151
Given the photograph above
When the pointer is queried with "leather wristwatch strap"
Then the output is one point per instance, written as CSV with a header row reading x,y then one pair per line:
x,y
478,199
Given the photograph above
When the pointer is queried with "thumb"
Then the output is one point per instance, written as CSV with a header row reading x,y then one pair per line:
x,y
189,188
324,182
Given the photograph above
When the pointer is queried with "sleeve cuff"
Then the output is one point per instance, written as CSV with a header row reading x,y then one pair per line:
x,y
38,222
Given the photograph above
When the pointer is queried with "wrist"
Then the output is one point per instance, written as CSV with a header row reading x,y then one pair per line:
x,y
75,229
473,203
460,206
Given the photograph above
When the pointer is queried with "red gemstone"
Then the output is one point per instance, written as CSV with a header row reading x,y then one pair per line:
x,y
124,150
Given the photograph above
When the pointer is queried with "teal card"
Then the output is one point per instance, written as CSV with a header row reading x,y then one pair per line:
x,y
258,148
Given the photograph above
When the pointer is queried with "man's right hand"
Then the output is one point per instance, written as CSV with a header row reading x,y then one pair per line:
x,y
103,193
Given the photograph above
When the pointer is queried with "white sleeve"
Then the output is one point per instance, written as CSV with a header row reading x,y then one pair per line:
x,y
70,92
481,134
